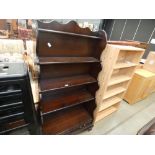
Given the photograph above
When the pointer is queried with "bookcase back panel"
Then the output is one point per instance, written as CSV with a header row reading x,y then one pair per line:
x,y
62,45
129,56
54,71
119,85
123,71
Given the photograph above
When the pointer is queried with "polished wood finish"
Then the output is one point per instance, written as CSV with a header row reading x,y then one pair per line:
x,y
69,61
66,121
59,83
66,100
66,60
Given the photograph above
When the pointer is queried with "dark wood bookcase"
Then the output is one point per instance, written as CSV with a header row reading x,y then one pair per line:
x,y
69,61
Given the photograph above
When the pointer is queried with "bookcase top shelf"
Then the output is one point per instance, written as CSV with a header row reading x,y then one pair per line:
x,y
69,33
71,28
127,48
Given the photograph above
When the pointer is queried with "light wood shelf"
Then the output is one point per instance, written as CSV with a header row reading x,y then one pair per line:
x,y
119,65
105,113
118,79
107,103
113,92
124,65
65,82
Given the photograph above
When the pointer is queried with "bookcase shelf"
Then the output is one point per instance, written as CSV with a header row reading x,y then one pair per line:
x,y
118,79
124,65
119,63
69,62
109,102
66,60
65,101
113,92
104,113
69,33
66,121
64,82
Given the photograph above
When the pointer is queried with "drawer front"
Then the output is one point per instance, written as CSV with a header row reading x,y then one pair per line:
x,y
7,90
6,100
11,114
11,110
13,105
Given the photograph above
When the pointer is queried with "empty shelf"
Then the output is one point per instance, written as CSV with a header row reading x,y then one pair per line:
x,y
66,121
59,83
124,65
69,33
113,92
109,102
118,79
65,101
66,60
105,113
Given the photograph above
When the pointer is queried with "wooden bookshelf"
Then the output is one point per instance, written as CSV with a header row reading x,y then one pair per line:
x,y
66,60
69,33
69,62
118,79
109,102
119,63
64,82
62,101
113,92
66,121
102,114
124,65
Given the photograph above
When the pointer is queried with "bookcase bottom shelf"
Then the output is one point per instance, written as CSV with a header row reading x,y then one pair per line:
x,y
67,121
66,100
104,113
109,102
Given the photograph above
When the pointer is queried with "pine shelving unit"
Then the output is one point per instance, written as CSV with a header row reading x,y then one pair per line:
x,y
119,63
